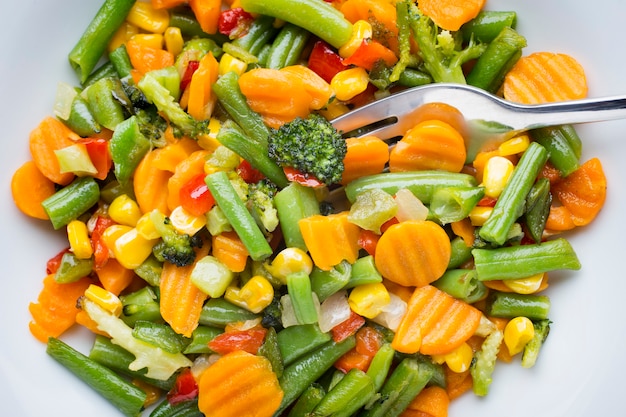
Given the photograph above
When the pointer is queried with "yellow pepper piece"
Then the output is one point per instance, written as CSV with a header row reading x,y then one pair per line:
x,y
517,333
173,40
368,300
78,237
146,17
230,63
105,299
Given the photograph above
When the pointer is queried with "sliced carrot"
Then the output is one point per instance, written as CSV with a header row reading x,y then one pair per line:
x,y
413,253
239,384
207,13
190,167
144,58
202,99
559,219
181,301
114,277
84,320
49,136
330,239
55,310
457,383
443,112
364,156
435,323
319,90
150,185
169,156
465,230
230,250
583,192
369,53
545,77
432,401
30,188
431,144
380,13
451,14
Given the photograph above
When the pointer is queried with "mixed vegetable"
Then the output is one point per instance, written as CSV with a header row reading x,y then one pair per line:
x,y
235,255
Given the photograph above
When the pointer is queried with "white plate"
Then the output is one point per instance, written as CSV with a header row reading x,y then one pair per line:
x,y
580,370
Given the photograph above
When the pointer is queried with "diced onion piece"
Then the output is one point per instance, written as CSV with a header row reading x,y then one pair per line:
x,y
409,206
334,310
392,313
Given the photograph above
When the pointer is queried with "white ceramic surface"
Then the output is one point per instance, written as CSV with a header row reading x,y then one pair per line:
x,y
580,370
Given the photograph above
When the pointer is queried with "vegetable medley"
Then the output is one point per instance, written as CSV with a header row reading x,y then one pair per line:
x,y
235,255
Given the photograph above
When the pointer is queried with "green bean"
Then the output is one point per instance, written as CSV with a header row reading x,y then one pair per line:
x,y
422,184
307,401
293,203
260,32
522,261
184,19
150,271
238,215
512,201
72,268
380,365
510,305
307,369
271,350
105,70
351,393
140,305
462,284
326,283
219,312
127,146
200,338
71,201
321,19
296,341
486,26
287,47
538,204
121,61
499,57
563,146
81,120
103,97
186,408
364,272
122,394
161,335
412,77
85,55
115,357
455,203
299,289
532,348
460,253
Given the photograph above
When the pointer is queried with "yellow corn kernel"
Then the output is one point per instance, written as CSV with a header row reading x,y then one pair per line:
x,y
527,285
173,39
185,222
146,17
78,237
368,300
209,141
479,215
150,40
349,83
145,227
121,35
254,296
459,360
497,172
112,233
517,333
124,210
289,260
361,29
131,249
105,299
515,145
334,109
230,63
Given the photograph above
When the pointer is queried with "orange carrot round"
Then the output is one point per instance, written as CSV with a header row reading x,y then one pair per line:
x,y
431,144
413,253
432,401
30,188
49,136
545,77
144,58
150,185
451,14
239,384
364,156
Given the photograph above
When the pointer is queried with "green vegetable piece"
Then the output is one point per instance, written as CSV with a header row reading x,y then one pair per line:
x,y
271,350
150,271
127,146
460,253
294,203
321,19
296,341
140,305
160,335
122,394
106,98
488,24
85,55
380,365
364,272
510,305
211,276
287,47
563,146
72,268
538,204
121,61
186,408
260,32
200,339
299,289
532,348
372,208
454,204
523,261
70,202
75,159
326,283
462,284
307,401
512,201
352,392
81,120
485,362
219,312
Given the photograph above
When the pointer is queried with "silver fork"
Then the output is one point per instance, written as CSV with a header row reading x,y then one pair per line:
x,y
489,117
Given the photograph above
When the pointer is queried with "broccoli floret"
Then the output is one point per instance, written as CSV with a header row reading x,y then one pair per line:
x,y
312,146
174,247
260,203
442,51
151,124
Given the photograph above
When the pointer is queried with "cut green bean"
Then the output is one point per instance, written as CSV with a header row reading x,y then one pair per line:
x,y
561,146
186,408
81,120
85,55
523,261
271,350
71,201
294,203
326,283
307,401
512,201
219,312
462,284
510,305
460,253
487,25
121,61
351,393
422,184
106,70
72,268
484,363
296,341
161,335
454,204
532,348
364,272
259,34
150,271
287,47
140,305
538,204
122,394
200,339
380,365
127,147
299,289
238,215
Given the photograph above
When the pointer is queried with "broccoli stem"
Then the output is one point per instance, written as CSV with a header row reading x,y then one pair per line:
x,y
532,348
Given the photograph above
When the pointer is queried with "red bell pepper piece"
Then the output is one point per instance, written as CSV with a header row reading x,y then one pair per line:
x,y
302,178
100,249
324,61
98,150
347,327
185,388
248,173
369,53
53,263
195,196
234,22
368,241
247,340
353,359
487,202
192,66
